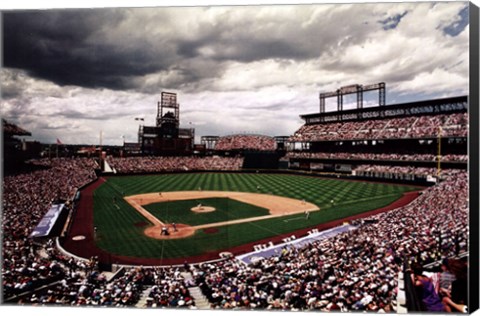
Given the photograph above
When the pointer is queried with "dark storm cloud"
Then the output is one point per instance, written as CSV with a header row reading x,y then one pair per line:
x,y
59,46
244,68
246,50
150,49
94,48
255,50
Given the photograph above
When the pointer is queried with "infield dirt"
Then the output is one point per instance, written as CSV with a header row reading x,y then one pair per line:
x,y
277,206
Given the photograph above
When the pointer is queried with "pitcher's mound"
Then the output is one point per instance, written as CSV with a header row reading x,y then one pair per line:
x,y
202,209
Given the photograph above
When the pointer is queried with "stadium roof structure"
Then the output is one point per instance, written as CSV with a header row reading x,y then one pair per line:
x,y
10,129
434,106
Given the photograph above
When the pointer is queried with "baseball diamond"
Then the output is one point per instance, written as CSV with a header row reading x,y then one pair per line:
x,y
131,233
277,207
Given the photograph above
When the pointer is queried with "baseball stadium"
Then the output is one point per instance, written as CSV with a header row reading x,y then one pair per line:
x,y
271,157
333,217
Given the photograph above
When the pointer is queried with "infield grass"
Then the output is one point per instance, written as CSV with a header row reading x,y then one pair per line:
x,y
225,210
119,231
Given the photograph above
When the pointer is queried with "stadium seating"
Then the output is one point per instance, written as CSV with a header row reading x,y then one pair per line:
x,y
47,276
425,126
26,199
376,156
349,272
246,142
12,129
169,164
353,271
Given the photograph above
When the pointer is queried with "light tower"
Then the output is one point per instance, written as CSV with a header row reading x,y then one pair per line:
x,y
353,89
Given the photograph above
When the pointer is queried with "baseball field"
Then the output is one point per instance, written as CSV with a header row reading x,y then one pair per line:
x,y
206,213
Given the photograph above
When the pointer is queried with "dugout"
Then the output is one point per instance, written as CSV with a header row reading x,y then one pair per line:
x,y
52,223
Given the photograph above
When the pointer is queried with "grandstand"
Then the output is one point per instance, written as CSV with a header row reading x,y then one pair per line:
x,y
174,164
257,151
401,138
240,142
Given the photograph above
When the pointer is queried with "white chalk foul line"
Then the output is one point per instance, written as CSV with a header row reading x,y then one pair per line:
x,y
293,219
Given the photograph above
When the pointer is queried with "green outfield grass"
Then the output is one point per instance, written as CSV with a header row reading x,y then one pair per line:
x,y
120,229
225,210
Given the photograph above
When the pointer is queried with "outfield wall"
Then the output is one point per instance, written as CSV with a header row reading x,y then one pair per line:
x,y
418,181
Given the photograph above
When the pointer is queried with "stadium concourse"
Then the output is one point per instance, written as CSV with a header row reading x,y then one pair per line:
x,y
375,156
354,270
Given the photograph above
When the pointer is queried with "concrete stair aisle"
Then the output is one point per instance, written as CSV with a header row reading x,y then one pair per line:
x,y
201,301
142,302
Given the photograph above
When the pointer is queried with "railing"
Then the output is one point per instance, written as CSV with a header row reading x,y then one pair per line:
x,y
412,302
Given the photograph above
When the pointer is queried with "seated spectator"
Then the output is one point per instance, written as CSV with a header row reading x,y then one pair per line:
x,y
457,301
445,280
431,302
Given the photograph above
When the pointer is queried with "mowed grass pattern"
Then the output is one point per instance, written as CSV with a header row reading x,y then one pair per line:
x,y
225,210
120,232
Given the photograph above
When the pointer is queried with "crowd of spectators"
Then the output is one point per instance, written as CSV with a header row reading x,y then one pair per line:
x,y
423,126
169,289
381,169
37,273
376,156
26,199
82,284
246,142
354,271
174,163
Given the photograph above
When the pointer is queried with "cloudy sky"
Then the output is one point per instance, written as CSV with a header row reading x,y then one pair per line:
x,y
69,74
